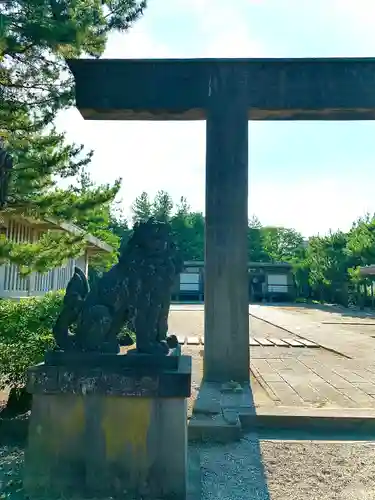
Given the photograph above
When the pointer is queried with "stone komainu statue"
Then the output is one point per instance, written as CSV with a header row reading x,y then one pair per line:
x,y
6,166
135,292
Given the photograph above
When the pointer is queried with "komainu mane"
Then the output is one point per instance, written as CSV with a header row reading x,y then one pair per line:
x,y
135,292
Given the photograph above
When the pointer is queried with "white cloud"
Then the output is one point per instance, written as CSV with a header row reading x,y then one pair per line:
x,y
312,207
230,44
136,44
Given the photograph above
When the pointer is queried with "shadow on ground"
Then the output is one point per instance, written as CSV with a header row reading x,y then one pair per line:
x,y
231,462
350,312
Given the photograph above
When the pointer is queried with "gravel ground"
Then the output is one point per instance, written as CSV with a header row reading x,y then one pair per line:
x,y
11,461
288,471
250,470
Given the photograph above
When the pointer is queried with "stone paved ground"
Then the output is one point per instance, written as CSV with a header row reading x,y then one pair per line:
x,y
326,326
341,374
189,320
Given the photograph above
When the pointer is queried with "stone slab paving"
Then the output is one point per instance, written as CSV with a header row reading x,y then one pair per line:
x,y
181,339
264,342
294,376
188,321
293,342
258,341
193,340
308,343
299,380
253,342
319,381
278,342
308,323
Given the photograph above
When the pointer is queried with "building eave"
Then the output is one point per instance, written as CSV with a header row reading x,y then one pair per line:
x,y
276,265
367,270
49,223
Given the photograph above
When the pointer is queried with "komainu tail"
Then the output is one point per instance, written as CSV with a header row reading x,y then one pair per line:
x,y
75,295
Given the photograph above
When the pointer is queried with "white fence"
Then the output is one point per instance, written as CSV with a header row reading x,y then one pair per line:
x,y
12,285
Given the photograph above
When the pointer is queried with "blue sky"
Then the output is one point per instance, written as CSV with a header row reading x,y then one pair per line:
x,y
313,176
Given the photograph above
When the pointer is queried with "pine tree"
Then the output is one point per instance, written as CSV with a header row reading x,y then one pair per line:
x,y
35,38
162,206
141,208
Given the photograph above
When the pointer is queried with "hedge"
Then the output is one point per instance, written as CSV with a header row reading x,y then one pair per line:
x,y
26,334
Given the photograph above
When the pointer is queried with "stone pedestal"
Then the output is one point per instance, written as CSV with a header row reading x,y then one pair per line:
x,y
115,426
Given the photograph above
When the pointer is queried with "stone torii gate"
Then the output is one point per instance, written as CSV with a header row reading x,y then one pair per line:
x,y
226,93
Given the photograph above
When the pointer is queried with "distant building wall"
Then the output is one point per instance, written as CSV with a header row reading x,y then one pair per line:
x,y
13,286
269,281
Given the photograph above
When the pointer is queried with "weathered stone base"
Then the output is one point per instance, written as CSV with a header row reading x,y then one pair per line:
x,y
106,445
218,411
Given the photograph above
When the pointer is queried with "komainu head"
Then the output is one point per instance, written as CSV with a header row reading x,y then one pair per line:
x,y
149,239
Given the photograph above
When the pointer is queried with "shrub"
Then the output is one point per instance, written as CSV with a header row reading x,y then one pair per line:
x,y
126,337
25,335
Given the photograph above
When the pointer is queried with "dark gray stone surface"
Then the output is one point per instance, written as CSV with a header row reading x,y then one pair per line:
x,y
107,447
140,381
135,292
226,280
127,361
276,89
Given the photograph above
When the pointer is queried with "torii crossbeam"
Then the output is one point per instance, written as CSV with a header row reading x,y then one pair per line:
x,y
226,93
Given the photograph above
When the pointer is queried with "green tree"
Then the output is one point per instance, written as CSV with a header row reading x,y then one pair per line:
x,y
183,208
255,243
188,228
281,243
187,225
361,251
361,241
113,229
118,223
327,258
34,85
98,219
162,206
141,208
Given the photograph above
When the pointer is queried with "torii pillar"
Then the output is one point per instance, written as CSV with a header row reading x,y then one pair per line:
x,y
226,93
